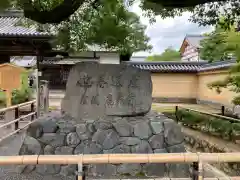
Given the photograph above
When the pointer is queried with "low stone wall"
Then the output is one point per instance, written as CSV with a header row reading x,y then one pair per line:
x,y
203,145
62,134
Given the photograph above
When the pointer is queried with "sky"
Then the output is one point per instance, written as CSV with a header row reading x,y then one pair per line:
x,y
167,32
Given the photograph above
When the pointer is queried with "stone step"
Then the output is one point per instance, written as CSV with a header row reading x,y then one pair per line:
x,y
56,96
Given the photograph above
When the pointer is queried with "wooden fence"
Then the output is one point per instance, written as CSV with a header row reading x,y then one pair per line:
x,y
18,118
226,127
230,119
199,158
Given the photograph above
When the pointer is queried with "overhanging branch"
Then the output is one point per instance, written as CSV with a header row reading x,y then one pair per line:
x,y
56,15
182,3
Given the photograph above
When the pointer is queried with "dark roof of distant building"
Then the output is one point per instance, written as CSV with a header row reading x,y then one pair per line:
x,y
194,40
10,28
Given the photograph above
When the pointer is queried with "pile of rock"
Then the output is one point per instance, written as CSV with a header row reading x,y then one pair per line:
x,y
106,110
63,135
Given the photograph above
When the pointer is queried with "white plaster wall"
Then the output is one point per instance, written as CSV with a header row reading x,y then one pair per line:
x,y
108,58
85,54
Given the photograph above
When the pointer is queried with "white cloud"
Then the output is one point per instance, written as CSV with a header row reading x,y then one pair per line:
x,y
167,32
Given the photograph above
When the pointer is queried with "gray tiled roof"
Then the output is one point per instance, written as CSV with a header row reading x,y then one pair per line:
x,y
182,66
9,27
194,40
168,66
25,61
217,65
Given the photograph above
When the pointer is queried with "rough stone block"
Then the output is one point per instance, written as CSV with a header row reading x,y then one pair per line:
x,y
157,141
72,139
130,141
131,169
96,90
172,133
142,130
157,126
110,135
123,128
30,146
53,139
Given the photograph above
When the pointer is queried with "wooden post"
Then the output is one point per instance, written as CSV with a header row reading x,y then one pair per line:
x,y
46,96
8,97
32,110
37,92
200,170
195,170
176,111
80,172
9,116
16,117
223,110
80,169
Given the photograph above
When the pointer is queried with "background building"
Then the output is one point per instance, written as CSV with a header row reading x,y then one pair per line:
x,y
190,48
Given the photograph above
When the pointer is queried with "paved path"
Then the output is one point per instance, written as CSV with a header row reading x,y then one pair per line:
x,y
10,147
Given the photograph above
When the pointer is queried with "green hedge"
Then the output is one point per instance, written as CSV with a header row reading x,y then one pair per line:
x,y
213,125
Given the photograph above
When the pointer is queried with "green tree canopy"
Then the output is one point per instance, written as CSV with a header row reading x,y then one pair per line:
x,y
169,54
110,26
205,12
216,47
232,46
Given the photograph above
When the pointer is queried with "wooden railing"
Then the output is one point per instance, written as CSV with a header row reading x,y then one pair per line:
x,y
221,126
18,118
230,119
199,158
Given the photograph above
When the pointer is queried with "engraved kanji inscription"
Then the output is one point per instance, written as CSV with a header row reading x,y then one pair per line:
x,y
116,81
131,99
109,100
101,82
134,82
84,99
85,81
95,100
120,98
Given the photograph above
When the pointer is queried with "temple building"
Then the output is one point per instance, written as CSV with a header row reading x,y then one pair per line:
x,y
190,48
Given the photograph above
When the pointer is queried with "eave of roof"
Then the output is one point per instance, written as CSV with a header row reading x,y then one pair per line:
x,y
217,65
183,67
9,29
186,67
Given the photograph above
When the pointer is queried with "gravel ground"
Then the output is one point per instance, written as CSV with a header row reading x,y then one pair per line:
x,y
10,147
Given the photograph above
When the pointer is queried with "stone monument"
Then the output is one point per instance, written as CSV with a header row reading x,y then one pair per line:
x,y
106,109
95,90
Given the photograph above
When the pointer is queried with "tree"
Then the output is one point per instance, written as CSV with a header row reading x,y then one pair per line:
x,y
204,11
233,80
169,54
111,26
214,47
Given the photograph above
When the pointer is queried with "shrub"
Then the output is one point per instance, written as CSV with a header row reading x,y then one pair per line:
x,y
236,128
212,125
21,96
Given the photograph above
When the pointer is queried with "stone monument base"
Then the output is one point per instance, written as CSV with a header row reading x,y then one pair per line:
x,y
63,135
